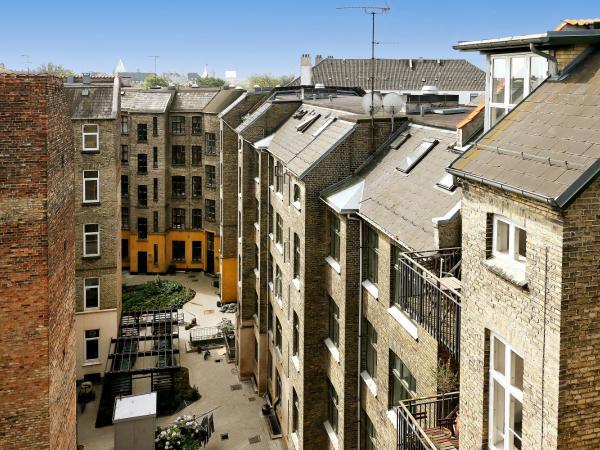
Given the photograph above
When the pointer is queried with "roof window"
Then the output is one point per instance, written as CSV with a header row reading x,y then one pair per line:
x,y
415,155
447,182
305,125
325,125
300,114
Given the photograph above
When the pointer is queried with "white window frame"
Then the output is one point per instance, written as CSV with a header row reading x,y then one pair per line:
x,y
97,178
85,234
85,293
87,133
509,390
510,256
85,341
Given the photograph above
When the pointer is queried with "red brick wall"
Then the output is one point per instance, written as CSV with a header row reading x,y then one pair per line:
x,y
37,359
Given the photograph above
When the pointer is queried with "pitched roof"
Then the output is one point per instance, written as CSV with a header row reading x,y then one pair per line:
x,y
146,100
91,101
548,147
222,100
402,205
300,151
400,74
192,100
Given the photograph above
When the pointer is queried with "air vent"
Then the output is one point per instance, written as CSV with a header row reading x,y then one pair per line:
x,y
85,92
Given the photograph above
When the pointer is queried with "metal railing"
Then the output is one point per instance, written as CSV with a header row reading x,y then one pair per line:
x,y
422,421
427,288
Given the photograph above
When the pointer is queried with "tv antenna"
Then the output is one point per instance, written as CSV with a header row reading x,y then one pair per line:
x,y
372,10
155,58
27,61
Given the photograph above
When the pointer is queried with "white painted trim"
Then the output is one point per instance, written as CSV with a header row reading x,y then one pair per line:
x,y
393,417
95,308
405,322
296,283
332,349
84,134
332,435
334,264
370,382
371,288
95,311
296,362
295,441
97,233
84,179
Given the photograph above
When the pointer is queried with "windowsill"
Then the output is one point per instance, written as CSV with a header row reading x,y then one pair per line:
x,y
256,273
93,311
510,272
370,382
297,205
279,302
393,417
278,352
257,180
332,434
271,236
271,286
296,362
371,289
92,363
90,257
90,152
334,264
97,308
295,441
279,195
332,349
296,283
257,226
279,247
90,203
405,322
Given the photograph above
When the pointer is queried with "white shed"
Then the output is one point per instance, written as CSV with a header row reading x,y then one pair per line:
x,y
134,419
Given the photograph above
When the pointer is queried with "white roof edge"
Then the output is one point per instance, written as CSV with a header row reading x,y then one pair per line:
x,y
504,39
232,104
264,143
448,216
347,199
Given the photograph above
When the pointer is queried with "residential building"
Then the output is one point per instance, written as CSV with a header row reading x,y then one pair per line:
x,y
37,265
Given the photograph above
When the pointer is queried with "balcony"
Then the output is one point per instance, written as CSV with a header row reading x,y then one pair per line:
x,y
428,423
427,288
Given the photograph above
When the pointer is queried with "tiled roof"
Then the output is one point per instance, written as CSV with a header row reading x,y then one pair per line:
x,y
222,100
97,104
404,205
397,74
549,145
192,100
146,100
300,151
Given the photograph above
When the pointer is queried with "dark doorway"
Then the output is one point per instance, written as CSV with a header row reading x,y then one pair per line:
x,y
142,262
210,252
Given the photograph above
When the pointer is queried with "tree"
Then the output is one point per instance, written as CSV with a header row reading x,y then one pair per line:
x,y
267,80
54,69
210,82
153,81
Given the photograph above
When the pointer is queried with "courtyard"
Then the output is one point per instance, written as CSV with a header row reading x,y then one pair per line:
x,y
236,407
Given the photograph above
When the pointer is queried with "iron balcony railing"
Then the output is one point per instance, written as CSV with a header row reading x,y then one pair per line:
x,y
428,423
427,288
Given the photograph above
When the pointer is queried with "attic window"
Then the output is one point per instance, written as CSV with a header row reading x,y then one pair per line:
x,y
305,125
399,140
300,114
325,125
447,182
415,155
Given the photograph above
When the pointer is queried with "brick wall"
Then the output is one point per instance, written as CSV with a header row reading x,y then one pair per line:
x,y
37,272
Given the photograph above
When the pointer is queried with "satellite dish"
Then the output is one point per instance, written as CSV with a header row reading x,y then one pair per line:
x,y
393,103
366,103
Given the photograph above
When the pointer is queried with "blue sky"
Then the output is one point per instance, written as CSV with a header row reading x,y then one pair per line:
x,y
257,36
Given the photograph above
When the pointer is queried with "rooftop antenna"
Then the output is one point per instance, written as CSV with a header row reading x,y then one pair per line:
x,y
27,62
155,58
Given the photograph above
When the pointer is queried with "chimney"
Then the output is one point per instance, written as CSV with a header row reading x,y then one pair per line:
x,y
305,70
318,59
86,78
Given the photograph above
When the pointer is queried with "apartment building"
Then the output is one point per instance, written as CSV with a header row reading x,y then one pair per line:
x,y
37,265
94,109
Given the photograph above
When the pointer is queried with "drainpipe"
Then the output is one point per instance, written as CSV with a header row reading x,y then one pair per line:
x,y
552,62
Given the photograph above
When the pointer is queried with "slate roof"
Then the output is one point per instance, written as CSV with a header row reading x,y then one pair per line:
x,y
300,151
548,147
146,100
97,104
397,75
222,100
404,205
192,100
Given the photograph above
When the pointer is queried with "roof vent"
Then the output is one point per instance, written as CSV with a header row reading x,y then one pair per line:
x,y
85,92
86,78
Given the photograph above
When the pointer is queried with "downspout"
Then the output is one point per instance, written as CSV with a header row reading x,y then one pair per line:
x,y
552,62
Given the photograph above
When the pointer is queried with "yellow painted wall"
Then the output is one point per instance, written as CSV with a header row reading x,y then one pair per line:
x,y
228,271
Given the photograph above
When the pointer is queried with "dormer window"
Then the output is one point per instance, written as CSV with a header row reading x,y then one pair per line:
x,y
509,241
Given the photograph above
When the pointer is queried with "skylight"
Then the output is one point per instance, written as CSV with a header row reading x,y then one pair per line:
x,y
447,182
305,124
325,125
415,155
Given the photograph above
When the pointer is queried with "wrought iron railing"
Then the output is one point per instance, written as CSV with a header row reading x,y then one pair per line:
x,y
428,423
427,288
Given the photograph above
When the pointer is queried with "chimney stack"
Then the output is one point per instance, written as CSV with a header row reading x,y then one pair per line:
x,y
318,59
305,70
86,78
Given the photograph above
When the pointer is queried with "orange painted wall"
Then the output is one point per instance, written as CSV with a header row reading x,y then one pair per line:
x,y
228,271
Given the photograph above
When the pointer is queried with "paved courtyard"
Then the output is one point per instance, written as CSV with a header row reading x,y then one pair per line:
x,y
235,404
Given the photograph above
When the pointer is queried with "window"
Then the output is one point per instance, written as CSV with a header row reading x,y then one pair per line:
x,y
240,180
125,249
447,182
196,251
178,125
368,440
178,218
196,124
415,155
506,396
142,163
297,194
278,286
90,137
271,221
278,335
334,322
211,176
142,196
371,349
155,255
270,318
179,250
279,230
124,186
142,228
509,241
295,411
155,126
155,221
196,186
279,177
196,219
296,336
210,143
209,207
91,186
155,189
125,154
334,236
124,218
277,385
402,384
124,124
155,157
92,345
196,155
296,256
91,239
271,171
142,132
332,406
178,186
178,155
372,253
91,293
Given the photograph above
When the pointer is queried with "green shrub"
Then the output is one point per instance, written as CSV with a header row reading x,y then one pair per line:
x,y
156,294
